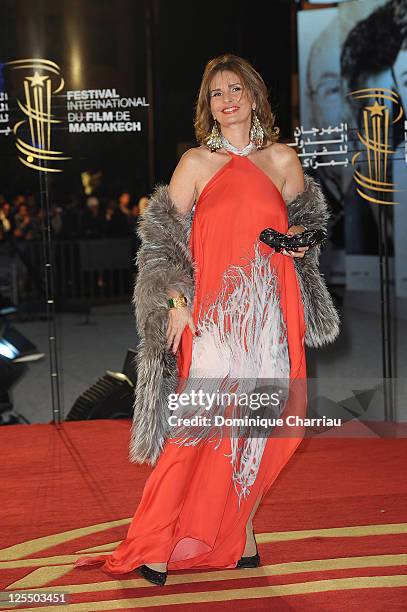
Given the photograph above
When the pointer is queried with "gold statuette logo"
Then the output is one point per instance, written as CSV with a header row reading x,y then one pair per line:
x,y
376,186
39,85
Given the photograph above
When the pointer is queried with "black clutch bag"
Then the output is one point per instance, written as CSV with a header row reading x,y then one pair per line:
x,y
278,241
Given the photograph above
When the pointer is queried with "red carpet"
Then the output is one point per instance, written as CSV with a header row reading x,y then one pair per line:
x,y
332,532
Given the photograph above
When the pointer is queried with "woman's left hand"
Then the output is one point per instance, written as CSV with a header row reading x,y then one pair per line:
x,y
296,229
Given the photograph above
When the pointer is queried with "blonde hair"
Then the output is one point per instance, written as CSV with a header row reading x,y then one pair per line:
x,y
252,83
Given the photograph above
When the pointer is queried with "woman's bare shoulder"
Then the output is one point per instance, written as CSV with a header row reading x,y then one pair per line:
x,y
190,163
195,155
285,159
182,185
282,154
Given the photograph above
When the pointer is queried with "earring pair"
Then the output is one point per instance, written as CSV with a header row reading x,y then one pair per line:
x,y
214,141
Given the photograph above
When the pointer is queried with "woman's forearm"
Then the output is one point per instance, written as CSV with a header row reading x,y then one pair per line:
x,y
172,292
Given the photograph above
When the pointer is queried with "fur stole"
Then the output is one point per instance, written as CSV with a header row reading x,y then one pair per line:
x,y
164,261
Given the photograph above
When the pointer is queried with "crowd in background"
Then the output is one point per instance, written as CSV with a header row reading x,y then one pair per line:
x,y
93,216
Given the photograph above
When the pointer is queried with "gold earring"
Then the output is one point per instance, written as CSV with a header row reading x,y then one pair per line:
x,y
256,131
213,142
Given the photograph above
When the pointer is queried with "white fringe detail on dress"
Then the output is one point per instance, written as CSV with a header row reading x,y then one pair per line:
x,y
242,339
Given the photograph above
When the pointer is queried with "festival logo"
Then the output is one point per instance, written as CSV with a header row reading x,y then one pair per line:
x,y
34,133
81,111
375,136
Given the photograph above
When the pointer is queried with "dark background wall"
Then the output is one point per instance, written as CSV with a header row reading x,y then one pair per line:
x,y
188,34
155,48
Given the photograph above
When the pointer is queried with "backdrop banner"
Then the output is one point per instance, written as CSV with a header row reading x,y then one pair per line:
x,y
351,62
74,102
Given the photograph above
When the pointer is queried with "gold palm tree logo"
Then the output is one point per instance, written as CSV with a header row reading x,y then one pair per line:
x,y
376,186
39,87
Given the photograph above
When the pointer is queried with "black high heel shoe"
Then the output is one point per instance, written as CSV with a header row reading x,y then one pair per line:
x,y
153,575
249,562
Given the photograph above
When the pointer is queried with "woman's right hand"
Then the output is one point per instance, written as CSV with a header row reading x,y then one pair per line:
x,y
178,319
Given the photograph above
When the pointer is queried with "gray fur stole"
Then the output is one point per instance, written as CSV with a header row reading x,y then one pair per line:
x,y
164,260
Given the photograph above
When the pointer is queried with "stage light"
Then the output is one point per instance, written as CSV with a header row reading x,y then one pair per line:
x,y
111,397
7,349
17,347
10,374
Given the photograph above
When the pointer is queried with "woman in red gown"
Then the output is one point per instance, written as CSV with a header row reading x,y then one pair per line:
x,y
197,506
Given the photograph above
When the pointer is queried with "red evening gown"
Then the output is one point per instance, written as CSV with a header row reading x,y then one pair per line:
x,y
190,514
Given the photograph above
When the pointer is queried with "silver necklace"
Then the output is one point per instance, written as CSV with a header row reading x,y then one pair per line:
x,y
229,147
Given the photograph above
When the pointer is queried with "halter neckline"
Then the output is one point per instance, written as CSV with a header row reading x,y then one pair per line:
x,y
223,168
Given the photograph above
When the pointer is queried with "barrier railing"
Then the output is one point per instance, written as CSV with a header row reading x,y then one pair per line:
x,y
95,270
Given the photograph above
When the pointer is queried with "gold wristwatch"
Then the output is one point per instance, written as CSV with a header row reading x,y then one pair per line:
x,y
178,301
